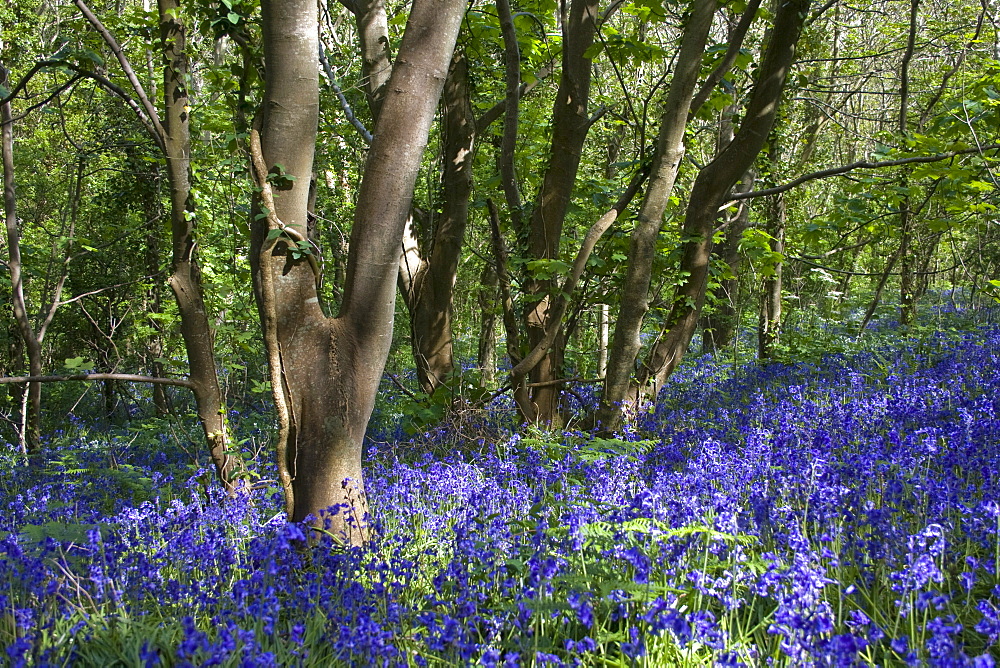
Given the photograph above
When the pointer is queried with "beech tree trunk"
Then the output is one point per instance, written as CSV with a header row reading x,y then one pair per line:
x,y
373,40
570,125
325,371
185,277
625,343
719,327
906,260
710,189
769,326
428,283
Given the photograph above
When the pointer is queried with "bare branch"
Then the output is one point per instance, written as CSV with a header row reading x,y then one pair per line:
x,y
862,164
344,104
126,67
133,378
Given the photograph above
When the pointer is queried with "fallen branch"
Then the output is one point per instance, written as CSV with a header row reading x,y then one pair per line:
x,y
132,378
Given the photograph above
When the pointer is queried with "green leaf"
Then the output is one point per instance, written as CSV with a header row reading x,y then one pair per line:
x,y
76,363
594,50
92,57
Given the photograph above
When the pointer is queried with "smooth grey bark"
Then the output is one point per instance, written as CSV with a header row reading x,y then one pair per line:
x,y
906,232
325,371
720,327
185,277
711,188
30,436
769,325
625,345
511,116
373,39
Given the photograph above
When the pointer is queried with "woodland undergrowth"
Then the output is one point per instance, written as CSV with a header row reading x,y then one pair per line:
x,y
843,512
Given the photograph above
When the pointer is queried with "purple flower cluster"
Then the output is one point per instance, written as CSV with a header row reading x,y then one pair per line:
x,y
842,513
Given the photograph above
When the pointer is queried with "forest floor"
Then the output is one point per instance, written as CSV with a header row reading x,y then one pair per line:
x,y
843,512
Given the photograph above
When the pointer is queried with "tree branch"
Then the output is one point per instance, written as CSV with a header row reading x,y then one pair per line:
x,y
178,382
861,164
732,52
126,67
344,104
594,234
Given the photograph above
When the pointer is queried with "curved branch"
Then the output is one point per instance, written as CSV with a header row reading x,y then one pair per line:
x,y
735,44
126,66
594,234
861,164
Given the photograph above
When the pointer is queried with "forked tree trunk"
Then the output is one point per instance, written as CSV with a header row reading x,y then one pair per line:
x,y
710,189
325,372
570,125
711,186
625,343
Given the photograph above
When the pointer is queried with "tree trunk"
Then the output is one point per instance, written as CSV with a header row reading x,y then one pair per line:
x,y
625,343
906,287
185,278
570,125
30,436
428,285
720,326
877,297
487,357
325,372
710,189
603,333
906,262
373,38
769,327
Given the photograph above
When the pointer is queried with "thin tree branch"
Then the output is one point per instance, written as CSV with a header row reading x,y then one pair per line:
x,y
862,164
133,378
496,111
732,52
344,104
126,66
594,234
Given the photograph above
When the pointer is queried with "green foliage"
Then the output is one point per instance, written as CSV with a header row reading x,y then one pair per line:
x,y
459,392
